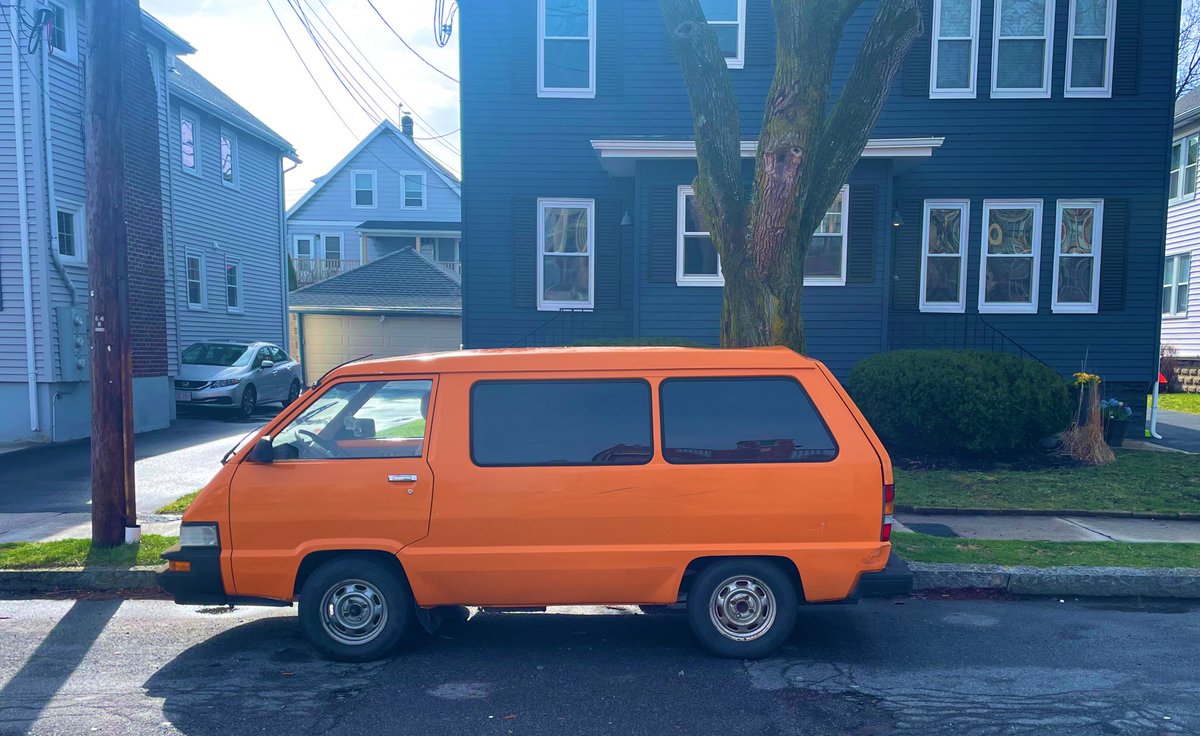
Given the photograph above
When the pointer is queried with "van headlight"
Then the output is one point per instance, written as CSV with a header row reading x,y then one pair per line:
x,y
199,535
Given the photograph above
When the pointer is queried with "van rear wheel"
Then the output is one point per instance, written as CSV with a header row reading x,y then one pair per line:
x,y
742,608
355,609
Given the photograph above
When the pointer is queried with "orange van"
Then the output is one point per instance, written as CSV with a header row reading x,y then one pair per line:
x,y
738,483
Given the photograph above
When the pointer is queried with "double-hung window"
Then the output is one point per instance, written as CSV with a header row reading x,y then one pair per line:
x,y
414,191
955,50
566,48
825,261
189,143
696,260
1079,227
728,20
194,280
565,266
229,155
1022,47
944,255
1176,272
233,285
362,189
1012,244
332,245
1185,156
1090,48
63,32
70,235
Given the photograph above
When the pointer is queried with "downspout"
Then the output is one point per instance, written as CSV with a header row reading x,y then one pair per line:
x,y
26,254
51,197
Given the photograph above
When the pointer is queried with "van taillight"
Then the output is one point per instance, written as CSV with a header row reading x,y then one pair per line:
x,y
889,508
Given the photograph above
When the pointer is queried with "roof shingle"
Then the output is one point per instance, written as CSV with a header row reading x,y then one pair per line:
x,y
193,83
400,281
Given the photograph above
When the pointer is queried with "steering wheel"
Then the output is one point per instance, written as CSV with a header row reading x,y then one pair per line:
x,y
322,446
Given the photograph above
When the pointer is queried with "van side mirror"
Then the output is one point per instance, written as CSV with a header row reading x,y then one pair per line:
x,y
263,452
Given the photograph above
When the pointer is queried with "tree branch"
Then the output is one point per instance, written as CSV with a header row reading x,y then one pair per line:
x,y
716,120
845,134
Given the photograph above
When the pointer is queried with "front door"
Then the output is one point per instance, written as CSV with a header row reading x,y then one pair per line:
x,y
349,472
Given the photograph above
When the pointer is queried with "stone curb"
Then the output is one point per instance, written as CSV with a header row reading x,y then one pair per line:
x,y
1099,582
55,581
902,508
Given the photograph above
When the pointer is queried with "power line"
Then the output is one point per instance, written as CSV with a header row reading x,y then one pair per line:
x,y
410,48
438,137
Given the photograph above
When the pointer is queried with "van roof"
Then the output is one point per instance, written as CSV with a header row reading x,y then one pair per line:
x,y
581,359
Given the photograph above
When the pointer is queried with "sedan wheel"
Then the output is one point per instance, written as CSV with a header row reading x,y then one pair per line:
x,y
249,402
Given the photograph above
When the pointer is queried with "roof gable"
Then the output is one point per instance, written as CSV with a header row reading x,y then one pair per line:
x,y
188,84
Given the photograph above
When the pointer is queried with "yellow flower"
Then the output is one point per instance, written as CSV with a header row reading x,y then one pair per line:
x,y
1087,379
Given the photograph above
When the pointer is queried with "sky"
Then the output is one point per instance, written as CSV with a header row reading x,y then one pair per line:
x,y
241,49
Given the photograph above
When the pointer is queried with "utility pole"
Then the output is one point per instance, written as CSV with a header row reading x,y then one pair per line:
x,y
114,509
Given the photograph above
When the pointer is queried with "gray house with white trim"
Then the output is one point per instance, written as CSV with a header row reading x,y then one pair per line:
x,y
205,226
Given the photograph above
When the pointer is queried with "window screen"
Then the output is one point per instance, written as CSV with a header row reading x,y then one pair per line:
x,y
561,423
742,420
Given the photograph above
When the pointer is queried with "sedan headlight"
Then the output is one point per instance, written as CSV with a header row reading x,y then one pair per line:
x,y
199,535
225,382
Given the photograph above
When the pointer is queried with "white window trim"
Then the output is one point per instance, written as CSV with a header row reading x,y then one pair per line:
x,y
1110,30
964,248
1011,307
312,239
324,255
1174,285
681,278
826,281
968,93
404,190
1042,92
576,92
203,304
80,222
354,174
543,204
1182,143
1093,306
234,154
194,119
70,33
241,307
739,61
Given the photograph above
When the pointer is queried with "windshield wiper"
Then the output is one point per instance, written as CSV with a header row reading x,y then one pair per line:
x,y
238,446
339,365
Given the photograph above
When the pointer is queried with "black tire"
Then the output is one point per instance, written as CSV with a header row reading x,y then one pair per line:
x,y
293,393
249,403
754,584
364,578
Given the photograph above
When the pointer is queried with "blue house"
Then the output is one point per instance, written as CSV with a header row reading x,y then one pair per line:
x,y
1012,197
204,219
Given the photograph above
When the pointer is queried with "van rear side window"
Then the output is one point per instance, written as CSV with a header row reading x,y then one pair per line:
x,y
742,420
530,423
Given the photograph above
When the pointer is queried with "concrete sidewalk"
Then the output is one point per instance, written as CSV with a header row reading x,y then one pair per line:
x,y
47,526
1052,528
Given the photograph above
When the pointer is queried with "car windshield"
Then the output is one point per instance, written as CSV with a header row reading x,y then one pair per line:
x,y
216,353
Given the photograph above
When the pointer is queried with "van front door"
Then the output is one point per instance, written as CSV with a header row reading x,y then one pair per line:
x,y
349,472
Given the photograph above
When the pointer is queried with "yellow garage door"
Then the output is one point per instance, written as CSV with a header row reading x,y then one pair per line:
x,y
333,339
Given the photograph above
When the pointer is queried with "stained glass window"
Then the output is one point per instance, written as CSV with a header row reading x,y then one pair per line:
x,y
944,237
1077,250
1012,240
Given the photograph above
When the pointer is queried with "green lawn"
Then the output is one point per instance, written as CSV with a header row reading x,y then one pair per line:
x,y
414,428
1139,480
1189,403
79,553
924,548
179,505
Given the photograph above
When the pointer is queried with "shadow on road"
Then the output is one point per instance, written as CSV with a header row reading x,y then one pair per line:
x,y
544,673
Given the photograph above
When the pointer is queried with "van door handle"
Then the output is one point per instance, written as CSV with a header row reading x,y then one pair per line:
x,y
402,479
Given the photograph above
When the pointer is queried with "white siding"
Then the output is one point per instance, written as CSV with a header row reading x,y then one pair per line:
x,y
1183,236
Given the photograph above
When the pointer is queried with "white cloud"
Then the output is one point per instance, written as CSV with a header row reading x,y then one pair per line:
x,y
241,49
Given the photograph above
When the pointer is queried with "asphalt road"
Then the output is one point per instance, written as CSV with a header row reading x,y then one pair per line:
x,y
923,667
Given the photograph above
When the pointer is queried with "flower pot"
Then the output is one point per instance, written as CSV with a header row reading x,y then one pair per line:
x,y
1114,432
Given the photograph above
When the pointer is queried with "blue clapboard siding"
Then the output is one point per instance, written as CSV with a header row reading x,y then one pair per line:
x,y
518,147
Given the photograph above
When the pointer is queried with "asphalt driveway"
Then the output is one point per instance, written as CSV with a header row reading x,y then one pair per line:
x,y
1179,430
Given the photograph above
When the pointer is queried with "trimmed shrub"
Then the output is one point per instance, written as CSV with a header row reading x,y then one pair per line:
x,y
960,401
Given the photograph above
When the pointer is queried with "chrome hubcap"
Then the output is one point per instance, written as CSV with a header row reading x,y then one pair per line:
x,y
353,612
742,608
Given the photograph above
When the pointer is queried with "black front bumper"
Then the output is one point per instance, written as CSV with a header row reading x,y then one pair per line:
x,y
202,585
892,581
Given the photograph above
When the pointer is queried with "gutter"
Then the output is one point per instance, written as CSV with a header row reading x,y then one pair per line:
x,y
23,200
51,196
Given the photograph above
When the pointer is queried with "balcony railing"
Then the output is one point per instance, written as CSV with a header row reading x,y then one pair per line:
x,y
312,270
451,266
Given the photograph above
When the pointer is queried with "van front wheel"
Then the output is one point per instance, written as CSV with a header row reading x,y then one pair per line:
x,y
354,609
743,609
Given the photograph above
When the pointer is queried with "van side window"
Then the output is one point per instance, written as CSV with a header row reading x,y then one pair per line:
x,y
524,423
742,420
357,420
